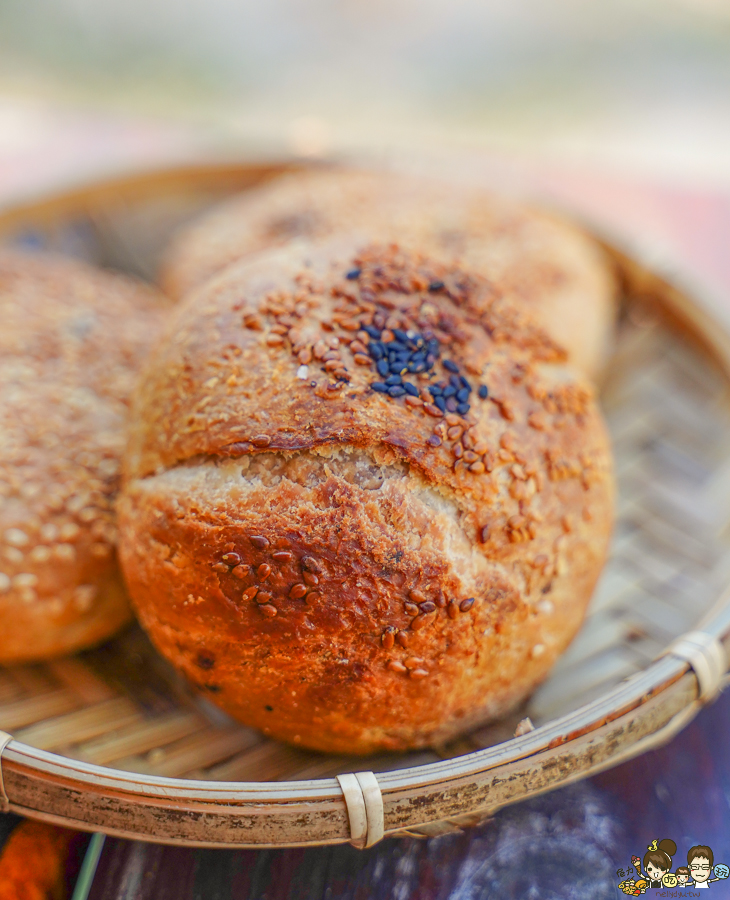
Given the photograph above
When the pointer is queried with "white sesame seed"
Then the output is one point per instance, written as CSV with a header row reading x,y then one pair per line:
x,y
25,580
4,583
538,650
303,372
69,531
64,551
49,532
15,537
40,554
84,596
13,555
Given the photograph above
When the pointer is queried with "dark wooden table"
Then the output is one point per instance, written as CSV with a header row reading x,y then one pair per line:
x,y
567,844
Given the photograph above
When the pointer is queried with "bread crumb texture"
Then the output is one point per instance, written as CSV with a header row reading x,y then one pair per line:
x,y
71,343
366,500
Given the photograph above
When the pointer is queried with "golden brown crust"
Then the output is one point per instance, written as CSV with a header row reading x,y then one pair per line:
x,y
71,342
535,258
339,567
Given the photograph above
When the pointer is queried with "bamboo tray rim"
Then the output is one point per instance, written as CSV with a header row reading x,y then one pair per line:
x,y
621,699
705,320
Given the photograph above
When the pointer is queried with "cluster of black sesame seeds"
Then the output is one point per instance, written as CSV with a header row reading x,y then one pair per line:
x,y
398,354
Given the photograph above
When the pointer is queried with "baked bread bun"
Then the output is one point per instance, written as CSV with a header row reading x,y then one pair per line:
x,y
538,259
71,341
365,501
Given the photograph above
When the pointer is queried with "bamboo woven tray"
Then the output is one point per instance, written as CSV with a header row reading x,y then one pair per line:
x,y
111,740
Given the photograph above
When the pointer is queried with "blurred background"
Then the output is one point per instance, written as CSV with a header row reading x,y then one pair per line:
x,y
642,85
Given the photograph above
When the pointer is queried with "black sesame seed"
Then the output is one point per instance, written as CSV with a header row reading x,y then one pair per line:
x,y
396,391
483,391
393,379
372,331
411,389
383,367
269,708
379,387
449,391
463,409
451,366
418,367
434,390
353,274
462,396
430,360
451,404
436,286
418,355
376,350
440,403
396,367
400,335
455,382
465,384
434,346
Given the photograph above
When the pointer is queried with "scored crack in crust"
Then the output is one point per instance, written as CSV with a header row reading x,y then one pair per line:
x,y
537,259
365,501
71,342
